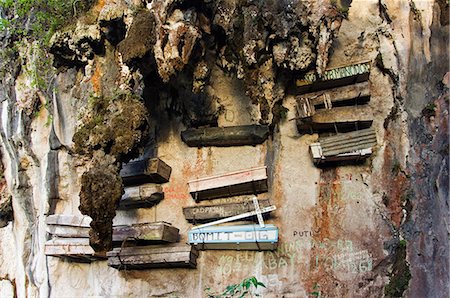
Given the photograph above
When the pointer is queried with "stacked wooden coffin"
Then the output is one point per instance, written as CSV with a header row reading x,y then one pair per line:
x,y
241,237
337,103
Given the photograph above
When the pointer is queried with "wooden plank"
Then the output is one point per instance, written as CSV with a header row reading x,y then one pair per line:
x,y
142,196
75,248
68,220
213,212
68,231
342,119
147,232
339,94
355,156
334,77
144,257
249,237
230,184
226,136
145,171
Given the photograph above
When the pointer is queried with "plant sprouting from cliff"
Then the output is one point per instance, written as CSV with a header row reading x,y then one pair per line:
x,y
246,287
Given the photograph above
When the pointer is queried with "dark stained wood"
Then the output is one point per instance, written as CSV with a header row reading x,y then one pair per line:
x,y
334,77
155,232
340,119
226,136
145,171
145,257
213,212
242,182
348,142
142,196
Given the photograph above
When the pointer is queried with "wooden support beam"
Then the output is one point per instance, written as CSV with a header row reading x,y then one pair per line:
x,y
142,196
250,181
145,171
225,136
145,257
340,119
213,212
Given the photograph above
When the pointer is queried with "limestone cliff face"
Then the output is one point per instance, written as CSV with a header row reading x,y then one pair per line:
x,y
130,76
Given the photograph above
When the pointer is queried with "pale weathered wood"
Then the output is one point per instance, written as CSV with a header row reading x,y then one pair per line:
x,y
68,231
340,119
334,77
212,212
68,220
339,94
142,196
145,171
229,184
144,257
226,136
155,232
72,248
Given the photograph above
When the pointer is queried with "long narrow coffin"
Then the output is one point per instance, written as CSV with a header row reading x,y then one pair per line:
x,y
355,146
145,257
340,119
142,196
68,226
244,237
154,232
212,212
334,77
230,184
145,171
226,136
72,226
77,249
352,95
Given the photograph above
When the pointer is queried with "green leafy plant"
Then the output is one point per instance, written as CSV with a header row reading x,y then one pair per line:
x,y
242,289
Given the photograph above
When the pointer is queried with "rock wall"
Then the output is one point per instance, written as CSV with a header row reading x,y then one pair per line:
x,y
132,75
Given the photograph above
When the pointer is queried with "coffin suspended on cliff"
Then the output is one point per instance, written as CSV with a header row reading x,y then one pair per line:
x,y
145,257
74,249
242,237
353,146
152,170
142,196
340,119
212,212
250,181
72,226
225,136
334,77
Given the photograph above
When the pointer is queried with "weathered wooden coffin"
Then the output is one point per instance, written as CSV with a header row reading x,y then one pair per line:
x,y
340,119
155,232
334,77
212,212
230,184
355,146
142,196
352,95
225,136
145,257
145,171
243,237
76,249
68,226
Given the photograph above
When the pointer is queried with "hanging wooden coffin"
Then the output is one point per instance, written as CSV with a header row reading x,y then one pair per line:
x,y
68,226
212,212
355,146
226,136
145,171
243,237
334,77
145,257
77,249
340,119
230,184
142,196
155,232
